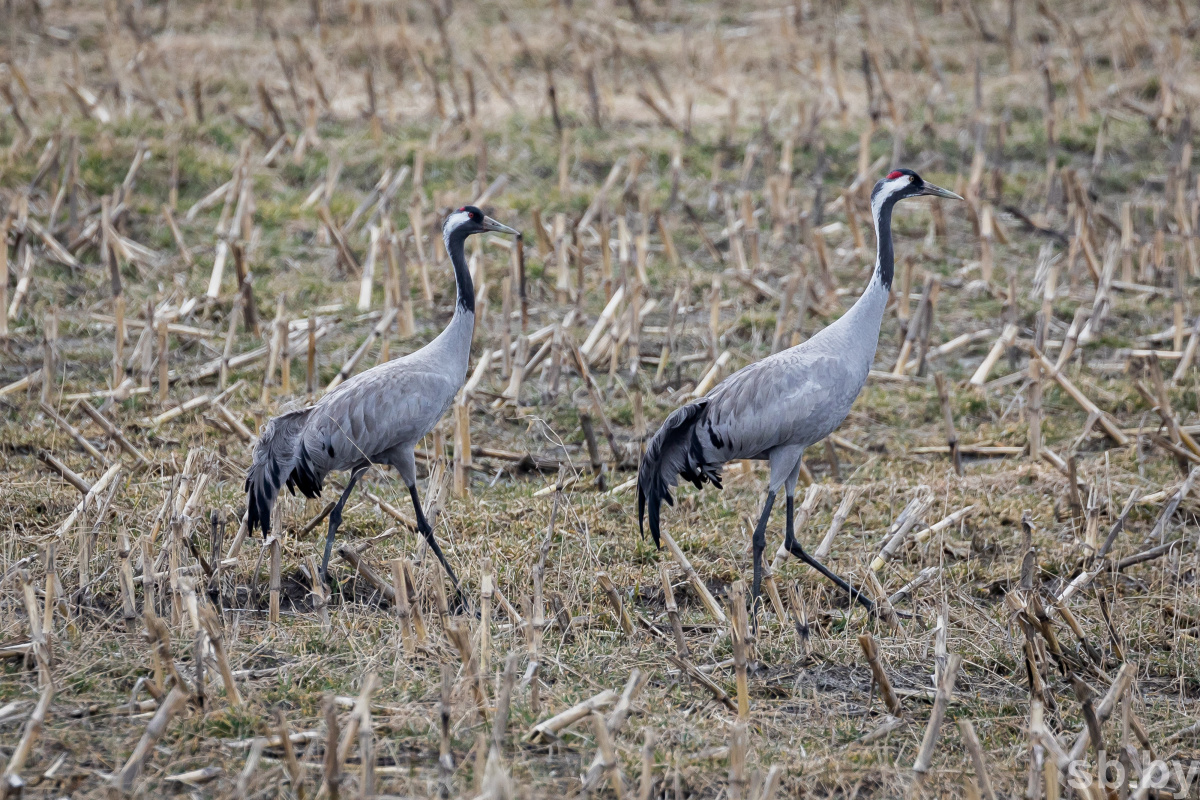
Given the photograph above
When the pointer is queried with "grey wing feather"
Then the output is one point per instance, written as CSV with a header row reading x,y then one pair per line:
x,y
760,408
373,413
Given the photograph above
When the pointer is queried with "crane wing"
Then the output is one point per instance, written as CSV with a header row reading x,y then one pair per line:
x,y
769,404
373,413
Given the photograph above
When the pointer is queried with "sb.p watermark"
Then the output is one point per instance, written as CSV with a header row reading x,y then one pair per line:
x,y
1181,779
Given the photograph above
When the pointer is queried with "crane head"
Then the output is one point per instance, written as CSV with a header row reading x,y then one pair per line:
x,y
901,183
469,219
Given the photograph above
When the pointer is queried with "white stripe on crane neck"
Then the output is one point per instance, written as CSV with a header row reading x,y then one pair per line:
x,y
887,190
453,222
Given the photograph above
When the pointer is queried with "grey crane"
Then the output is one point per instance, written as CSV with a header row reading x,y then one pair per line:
x,y
377,416
775,408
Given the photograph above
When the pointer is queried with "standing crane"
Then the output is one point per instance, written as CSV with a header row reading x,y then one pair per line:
x,y
775,408
377,416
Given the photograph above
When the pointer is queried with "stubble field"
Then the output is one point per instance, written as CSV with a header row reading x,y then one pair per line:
x,y
252,194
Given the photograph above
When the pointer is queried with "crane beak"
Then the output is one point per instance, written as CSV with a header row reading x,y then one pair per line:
x,y
494,226
937,191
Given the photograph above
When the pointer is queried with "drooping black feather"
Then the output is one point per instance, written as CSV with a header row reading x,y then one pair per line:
x,y
279,460
303,476
674,451
258,510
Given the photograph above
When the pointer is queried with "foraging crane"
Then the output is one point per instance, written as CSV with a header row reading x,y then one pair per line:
x,y
775,408
377,416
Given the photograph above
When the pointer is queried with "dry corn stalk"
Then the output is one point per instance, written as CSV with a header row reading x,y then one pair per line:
x,y
945,690
705,596
1105,420
461,638
13,784
172,705
212,624
871,651
849,498
740,633
1003,343
971,741
898,533
614,599
548,730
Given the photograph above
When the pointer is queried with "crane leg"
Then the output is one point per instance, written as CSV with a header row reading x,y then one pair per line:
x,y
793,547
760,544
426,530
335,517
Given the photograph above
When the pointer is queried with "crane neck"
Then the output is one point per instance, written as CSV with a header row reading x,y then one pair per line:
x,y
884,254
866,315
455,241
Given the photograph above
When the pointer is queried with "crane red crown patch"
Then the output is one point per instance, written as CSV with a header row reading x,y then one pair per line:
x,y
895,174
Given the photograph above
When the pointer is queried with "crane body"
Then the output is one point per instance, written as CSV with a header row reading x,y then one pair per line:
x,y
775,408
375,417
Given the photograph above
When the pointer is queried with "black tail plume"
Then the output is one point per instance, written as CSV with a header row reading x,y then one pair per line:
x,y
276,458
672,452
